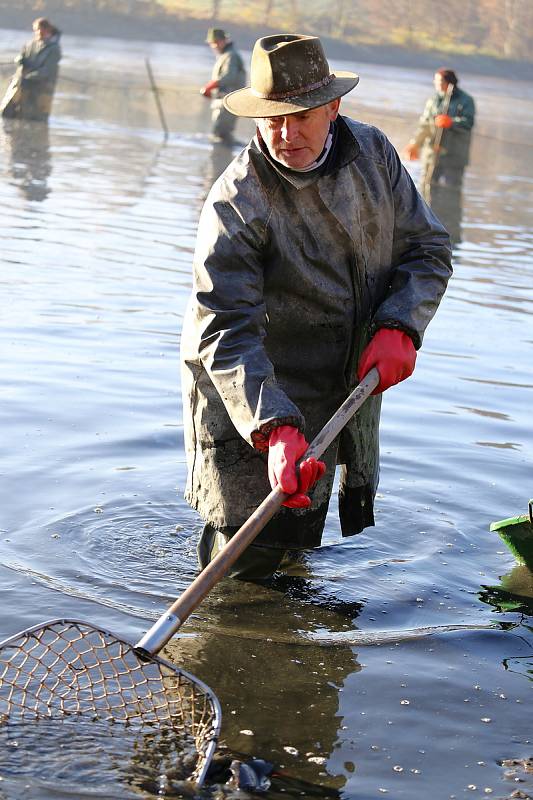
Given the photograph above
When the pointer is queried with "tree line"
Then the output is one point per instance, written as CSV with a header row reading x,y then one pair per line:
x,y
501,28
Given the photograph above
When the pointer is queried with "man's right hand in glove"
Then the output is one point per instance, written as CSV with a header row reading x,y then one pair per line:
x,y
209,88
286,446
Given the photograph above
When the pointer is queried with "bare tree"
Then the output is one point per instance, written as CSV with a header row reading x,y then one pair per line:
x,y
519,19
269,7
341,16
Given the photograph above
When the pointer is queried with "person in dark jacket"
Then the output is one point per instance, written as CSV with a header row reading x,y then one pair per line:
x,y
31,91
228,74
443,135
316,260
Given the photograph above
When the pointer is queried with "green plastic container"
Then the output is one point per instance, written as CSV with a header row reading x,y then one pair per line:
x,y
517,533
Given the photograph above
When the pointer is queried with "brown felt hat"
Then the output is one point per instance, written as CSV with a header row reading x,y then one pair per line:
x,y
289,73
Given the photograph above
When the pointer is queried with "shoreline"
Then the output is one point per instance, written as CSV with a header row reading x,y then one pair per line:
x,y
170,29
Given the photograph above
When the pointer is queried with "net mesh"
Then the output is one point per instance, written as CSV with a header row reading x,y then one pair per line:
x,y
69,668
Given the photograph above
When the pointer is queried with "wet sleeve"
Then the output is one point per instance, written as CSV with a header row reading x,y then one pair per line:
x,y
421,262
230,314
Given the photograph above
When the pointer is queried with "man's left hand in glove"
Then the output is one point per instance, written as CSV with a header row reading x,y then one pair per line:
x,y
443,121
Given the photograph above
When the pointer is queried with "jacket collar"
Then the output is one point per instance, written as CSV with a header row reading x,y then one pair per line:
x,y
44,43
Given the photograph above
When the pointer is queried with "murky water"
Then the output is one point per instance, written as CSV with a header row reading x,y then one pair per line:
x,y
397,662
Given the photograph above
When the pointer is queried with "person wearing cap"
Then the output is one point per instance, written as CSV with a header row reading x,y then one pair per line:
x,y
228,74
316,260
31,91
443,135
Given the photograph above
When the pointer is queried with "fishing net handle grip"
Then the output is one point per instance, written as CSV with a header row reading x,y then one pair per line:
x,y
159,634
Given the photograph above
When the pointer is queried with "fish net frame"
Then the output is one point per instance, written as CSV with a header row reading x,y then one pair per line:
x,y
68,668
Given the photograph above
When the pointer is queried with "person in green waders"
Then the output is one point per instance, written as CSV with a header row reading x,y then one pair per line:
x,y
316,260
228,74
31,91
442,140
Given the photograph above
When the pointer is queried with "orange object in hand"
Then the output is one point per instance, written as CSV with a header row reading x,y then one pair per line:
x,y
393,353
286,445
443,121
209,88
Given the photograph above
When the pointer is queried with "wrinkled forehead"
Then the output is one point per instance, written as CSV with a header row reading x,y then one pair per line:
x,y
306,113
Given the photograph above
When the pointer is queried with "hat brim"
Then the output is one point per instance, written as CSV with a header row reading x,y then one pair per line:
x,y
244,103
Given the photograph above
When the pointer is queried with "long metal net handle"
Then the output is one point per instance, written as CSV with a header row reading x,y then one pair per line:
x,y
169,622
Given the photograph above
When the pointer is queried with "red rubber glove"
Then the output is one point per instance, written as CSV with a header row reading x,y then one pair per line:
x,y
209,88
286,445
443,121
393,353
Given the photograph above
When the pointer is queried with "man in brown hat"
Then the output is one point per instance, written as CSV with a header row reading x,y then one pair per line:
x,y
228,74
316,260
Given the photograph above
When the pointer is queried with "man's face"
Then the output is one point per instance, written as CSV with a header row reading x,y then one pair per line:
x,y
218,45
297,140
439,83
41,32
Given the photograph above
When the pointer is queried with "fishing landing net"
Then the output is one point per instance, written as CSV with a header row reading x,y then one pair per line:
x,y
67,670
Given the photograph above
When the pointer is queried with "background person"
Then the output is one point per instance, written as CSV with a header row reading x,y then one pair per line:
x,y
31,91
228,74
316,260
447,119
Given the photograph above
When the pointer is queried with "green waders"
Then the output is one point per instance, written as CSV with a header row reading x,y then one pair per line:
x,y
257,563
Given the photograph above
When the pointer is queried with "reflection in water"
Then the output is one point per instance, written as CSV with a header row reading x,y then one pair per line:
x,y
279,693
514,593
519,581
220,156
305,590
447,203
28,147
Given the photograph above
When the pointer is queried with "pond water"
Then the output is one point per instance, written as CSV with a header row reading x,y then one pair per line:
x,y
398,662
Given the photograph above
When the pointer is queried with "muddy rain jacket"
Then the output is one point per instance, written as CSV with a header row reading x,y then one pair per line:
x,y
293,273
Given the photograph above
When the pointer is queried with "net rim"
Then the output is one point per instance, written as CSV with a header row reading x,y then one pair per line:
x,y
215,723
